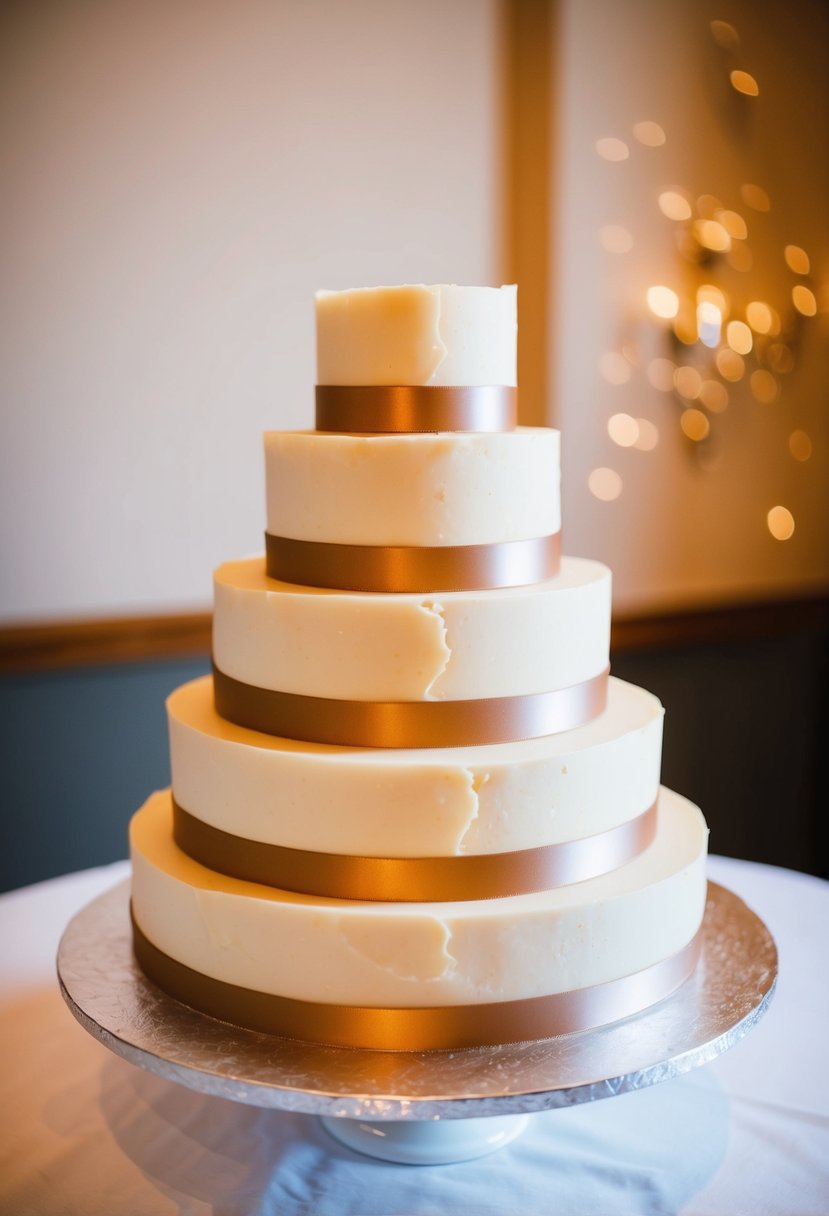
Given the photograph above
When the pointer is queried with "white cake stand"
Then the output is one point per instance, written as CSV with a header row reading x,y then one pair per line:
x,y
418,1107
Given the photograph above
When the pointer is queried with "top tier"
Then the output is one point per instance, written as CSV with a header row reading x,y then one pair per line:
x,y
438,336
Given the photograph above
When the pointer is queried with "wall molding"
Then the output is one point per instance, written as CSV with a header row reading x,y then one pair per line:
x,y
139,639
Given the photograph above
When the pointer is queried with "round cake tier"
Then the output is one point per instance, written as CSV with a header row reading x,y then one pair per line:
x,y
413,490
418,335
453,802
415,956
457,646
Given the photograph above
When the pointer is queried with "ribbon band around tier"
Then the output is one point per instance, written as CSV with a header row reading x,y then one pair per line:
x,y
417,1029
408,724
413,879
410,409
412,568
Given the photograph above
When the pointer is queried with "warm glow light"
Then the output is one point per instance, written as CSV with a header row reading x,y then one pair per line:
x,y
694,424
804,300
612,149
623,430
605,484
709,323
685,327
649,133
755,197
713,295
614,368
739,337
687,382
780,523
663,302
800,445
708,205
780,358
674,205
660,374
733,223
764,386
725,35
712,235
797,259
745,83
730,365
739,258
615,239
648,435
714,396
759,316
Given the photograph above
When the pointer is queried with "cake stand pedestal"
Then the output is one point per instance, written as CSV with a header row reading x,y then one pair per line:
x,y
418,1107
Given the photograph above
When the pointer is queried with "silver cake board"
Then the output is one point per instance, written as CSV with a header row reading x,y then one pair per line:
x,y
418,1107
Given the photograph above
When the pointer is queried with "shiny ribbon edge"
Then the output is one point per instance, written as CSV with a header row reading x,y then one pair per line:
x,y
433,1028
405,409
413,879
408,724
412,568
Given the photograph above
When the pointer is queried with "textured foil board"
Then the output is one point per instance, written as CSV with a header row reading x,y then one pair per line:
x,y
111,998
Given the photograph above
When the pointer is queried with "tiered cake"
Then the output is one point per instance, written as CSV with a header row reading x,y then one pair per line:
x,y
410,809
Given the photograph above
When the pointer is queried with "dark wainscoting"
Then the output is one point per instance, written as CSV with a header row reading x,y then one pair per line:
x,y
83,736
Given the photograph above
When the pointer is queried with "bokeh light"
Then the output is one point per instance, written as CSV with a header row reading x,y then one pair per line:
x,y
764,387
804,300
797,259
663,302
605,484
755,197
612,149
674,205
615,239
694,424
623,430
780,523
800,445
744,83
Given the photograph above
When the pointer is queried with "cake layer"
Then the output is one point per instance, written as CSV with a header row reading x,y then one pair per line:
x,y
363,647
430,335
429,490
453,802
420,955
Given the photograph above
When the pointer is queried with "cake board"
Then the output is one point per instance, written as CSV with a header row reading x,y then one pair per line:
x,y
418,1107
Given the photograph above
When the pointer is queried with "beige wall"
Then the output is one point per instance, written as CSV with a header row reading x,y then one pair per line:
x,y
690,523
183,175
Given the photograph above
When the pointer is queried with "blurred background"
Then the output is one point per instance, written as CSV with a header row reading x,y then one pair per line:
x,y
180,176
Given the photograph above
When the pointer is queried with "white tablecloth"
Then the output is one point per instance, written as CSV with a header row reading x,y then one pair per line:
x,y
84,1132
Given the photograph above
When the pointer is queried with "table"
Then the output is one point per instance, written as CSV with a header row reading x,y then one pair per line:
x,y
84,1132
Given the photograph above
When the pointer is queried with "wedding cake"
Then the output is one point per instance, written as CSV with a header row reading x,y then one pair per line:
x,y
410,809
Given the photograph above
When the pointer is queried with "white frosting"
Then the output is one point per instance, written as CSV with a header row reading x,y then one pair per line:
x,y
339,951
441,335
453,646
418,803
445,489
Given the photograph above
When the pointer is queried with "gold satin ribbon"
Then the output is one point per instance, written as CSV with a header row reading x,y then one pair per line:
x,y
408,724
413,879
418,568
407,409
417,1029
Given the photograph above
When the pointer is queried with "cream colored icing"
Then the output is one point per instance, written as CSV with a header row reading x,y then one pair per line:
x,y
344,952
407,647
417,334
418,803
443,489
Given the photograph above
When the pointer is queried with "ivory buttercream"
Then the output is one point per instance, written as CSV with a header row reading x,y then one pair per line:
x,y
449,802
342,952
455,646
445,489
417,334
